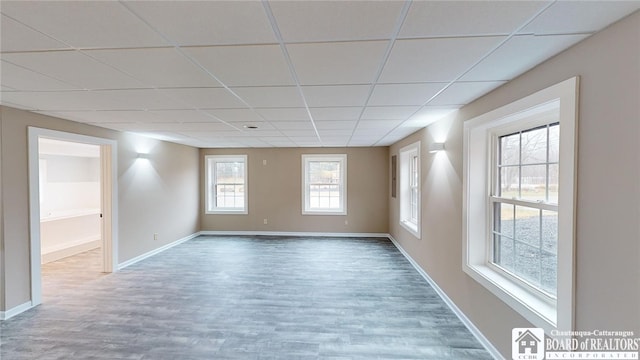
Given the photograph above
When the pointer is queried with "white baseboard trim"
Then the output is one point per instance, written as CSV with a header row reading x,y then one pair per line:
x,y
6,315
77,247
156,251
465,320
292,233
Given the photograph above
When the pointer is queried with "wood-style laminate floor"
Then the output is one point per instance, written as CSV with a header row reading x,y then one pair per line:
x,y
248,298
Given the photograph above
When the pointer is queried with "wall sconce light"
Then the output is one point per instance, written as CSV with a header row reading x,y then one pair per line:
x,y
436,147
143,156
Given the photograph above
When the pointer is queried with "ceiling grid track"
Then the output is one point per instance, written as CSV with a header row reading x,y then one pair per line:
x,y
511,35
396,31
292,70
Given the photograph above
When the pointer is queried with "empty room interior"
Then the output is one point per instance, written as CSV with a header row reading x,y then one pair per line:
x,y
318,179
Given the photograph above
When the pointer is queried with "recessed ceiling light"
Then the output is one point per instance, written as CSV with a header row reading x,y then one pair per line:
x,y
251,127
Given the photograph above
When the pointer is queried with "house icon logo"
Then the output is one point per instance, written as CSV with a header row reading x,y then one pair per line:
x,y
527,344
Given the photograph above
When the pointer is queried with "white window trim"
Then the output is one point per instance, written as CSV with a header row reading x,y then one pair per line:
x,y
208,182
478,139
342,158
404,168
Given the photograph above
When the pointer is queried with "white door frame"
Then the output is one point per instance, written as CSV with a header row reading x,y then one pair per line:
x,y
109,201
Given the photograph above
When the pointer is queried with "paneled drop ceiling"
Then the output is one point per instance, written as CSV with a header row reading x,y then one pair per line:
x,y
306,73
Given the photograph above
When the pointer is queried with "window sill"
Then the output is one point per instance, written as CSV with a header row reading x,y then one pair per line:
x,y
530,305
227,212
320,212
411,227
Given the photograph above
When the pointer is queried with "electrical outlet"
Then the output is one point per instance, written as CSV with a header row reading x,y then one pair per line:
x,y
155,236
264,162
265,221
346,222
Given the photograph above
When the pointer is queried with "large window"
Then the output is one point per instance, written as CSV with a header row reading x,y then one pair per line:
x,y
519,206
410,188
525,203
324,184
226,184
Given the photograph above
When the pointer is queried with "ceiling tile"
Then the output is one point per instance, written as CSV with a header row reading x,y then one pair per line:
x,y
175,127
74,68
146,64
371,135
336,113
324,125
182,116
307,21
204,98
461,93
207,22
116,126
336,95
337,63
22,79
244,65
362,141
429,114
62,19
264,129
293,125
139,99
426,60
388,112
397,134
126,116
283,114
263,97
15,36
336,141
223,135
235,115
300,133
125,99
385,125
211,125
519,54
280,142
463,18
567,17
60,100
404,94
307,142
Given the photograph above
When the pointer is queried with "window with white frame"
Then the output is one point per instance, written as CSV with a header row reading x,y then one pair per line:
x,y
324,178
410,188
519,180
226,184
525,204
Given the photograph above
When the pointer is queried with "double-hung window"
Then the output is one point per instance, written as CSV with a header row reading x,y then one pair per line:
x,y
226,184
410,188
524,200
324,185
519,207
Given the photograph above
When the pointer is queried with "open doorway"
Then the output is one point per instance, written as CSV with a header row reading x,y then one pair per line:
x,y
72,210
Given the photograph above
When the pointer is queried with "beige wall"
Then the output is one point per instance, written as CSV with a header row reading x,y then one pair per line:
x,y
2,270
275,192
159,196
608,195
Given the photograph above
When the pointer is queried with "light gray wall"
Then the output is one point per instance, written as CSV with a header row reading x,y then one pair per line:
x,y
275,192
608,194
160,196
